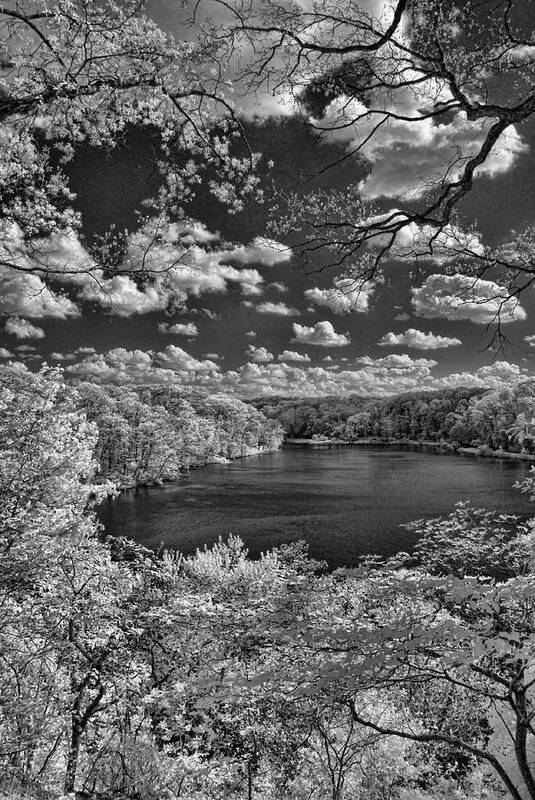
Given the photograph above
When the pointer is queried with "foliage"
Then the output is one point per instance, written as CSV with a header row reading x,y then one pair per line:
x,y
151,435
496,418
379,77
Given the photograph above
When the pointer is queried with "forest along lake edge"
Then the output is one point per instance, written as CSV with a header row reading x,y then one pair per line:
x,y
345,502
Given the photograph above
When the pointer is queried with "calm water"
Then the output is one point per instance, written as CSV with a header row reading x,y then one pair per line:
x,y
344,501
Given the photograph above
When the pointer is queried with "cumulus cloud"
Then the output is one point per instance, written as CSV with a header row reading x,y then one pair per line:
x,y
122,297
172,256
5,353
423,242
23,329
261,251
278,309
260,355
373,377
530,340
291,355
321,334
418,340
63,356
251,334
343,298
458,297
403,317
25,294
25,348
179,328
407,157
278,286
120,366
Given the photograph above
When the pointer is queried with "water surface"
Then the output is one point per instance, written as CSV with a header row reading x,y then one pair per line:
x,y
344,501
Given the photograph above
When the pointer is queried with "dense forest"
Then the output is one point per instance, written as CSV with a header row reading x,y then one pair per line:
x,y
147,435
496,419
128,675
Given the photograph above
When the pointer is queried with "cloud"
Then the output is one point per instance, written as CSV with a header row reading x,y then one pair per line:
x,y
458,297
178,360
422,242
322,334
261,251
278,309
343,298
403,317
251,334
179,328
22,329
120,366
260,355
85,350
164,265
278,286
63,356
122,297
25,294
378,377
291,355
407,157
530,340
25,348
5,353
417,340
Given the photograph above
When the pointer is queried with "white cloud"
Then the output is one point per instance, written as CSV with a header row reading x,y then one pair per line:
x,y
278,286
417,340
22,329
343,298
373,377
260,355
261,251
122,297
422,242
403,317
322,334
84,351
179,328
407,157
179,360
178,268
25,294
25,348
291,355
63,356
458,297
278,309
530,340
251,334
5,353
120,366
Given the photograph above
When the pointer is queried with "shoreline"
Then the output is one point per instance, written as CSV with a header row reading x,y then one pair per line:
x,y
444,447
157,484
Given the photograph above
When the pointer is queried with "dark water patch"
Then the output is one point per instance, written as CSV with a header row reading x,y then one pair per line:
x,y
344,501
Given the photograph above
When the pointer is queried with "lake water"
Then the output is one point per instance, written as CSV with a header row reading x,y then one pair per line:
x,y
344,501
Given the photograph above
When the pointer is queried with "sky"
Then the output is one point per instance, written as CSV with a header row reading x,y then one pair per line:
x,y
239,312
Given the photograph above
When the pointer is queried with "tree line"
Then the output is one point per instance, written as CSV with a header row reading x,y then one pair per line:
x,y
487,419
147,435
137,676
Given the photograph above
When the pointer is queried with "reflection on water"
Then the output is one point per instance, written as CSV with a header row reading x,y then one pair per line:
x,y
344,501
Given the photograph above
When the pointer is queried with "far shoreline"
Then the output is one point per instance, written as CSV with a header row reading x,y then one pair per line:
x,y
442,447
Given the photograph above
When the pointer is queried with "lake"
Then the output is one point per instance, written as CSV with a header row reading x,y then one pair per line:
x,y
344,501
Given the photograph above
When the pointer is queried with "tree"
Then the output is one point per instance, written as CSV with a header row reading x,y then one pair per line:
x,y
401,71
86,72
440,654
